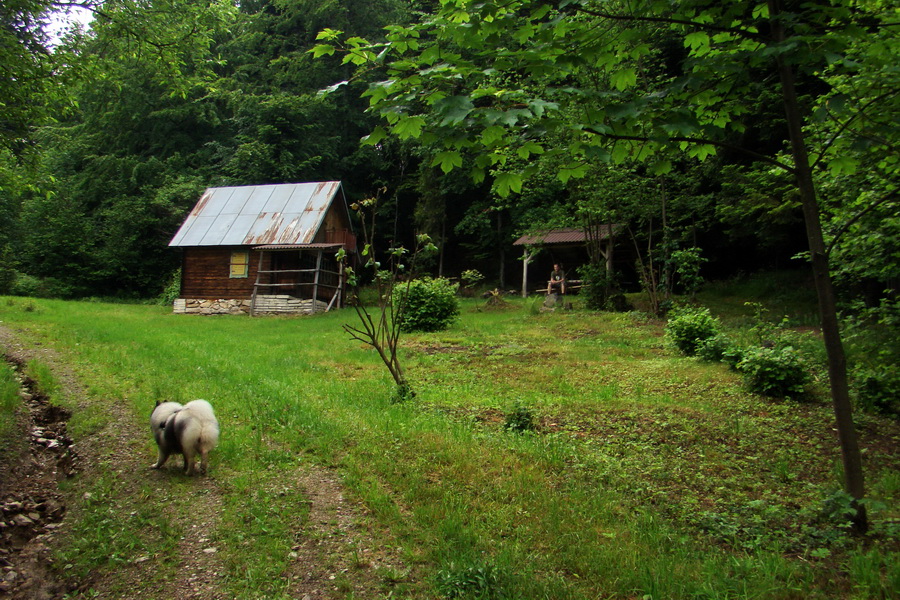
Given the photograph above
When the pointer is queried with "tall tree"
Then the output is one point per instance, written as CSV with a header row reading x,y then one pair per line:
x,y
126,163
26,64
676,77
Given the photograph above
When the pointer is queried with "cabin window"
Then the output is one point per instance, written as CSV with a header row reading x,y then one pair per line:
x,y
240,264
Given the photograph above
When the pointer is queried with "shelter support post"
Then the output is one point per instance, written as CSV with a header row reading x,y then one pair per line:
x,y
259,269
526,258
315,294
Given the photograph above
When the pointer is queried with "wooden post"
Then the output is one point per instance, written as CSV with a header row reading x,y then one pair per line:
x,y
526,258
340,291
315,297
259,269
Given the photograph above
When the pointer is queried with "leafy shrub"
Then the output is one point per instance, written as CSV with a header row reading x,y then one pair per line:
x,y
428,304
878,389
774,372
687,265
26,285
172,290
688,327
874,354
477,582
720,348
732,356
470,278
402,393
519,419
47,287
600,289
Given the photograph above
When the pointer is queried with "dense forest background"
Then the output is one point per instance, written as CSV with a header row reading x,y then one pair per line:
x,y
110,132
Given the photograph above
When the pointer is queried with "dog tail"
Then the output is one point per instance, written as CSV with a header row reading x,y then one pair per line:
x,y
209,436
205,429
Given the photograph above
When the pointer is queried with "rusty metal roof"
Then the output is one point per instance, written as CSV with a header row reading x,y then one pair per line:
x,y
288,213
568,235
276,247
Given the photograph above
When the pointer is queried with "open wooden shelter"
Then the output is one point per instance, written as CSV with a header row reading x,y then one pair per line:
x,y
567,246
265,249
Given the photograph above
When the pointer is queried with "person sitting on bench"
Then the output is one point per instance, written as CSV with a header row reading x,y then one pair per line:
x,y
557,280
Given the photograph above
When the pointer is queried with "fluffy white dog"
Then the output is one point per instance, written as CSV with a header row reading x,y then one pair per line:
x,y
188,430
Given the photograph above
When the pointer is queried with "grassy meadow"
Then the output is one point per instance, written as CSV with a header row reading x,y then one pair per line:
x,y
644,474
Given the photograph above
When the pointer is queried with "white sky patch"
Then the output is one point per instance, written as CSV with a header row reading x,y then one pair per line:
x,y
62,20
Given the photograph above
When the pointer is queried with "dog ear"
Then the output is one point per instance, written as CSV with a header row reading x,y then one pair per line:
x,y
158,403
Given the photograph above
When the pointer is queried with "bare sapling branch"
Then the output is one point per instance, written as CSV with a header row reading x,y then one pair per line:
x,y
380,323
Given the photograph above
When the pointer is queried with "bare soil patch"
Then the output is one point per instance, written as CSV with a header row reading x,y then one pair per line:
x,y
31,465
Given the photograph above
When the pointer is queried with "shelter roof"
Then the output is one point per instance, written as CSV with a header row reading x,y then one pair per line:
x,y
289,213
566,235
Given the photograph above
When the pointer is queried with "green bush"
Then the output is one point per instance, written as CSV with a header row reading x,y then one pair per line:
x,y
600,289
688,327
519,419
874,354
719,348
777,372
428,304
38,287
172,290
878,389
23,284
687,264
470,278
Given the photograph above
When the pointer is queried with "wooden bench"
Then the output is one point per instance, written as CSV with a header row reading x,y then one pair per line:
x,y
571,284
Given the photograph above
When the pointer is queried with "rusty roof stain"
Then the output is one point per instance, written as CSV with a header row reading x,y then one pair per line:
x,y
566,235
255,215
276,247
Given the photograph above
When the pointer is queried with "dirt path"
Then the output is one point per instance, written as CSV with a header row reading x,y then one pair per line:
x,y
333,554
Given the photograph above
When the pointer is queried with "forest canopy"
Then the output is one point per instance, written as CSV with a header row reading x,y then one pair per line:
x,y
484,121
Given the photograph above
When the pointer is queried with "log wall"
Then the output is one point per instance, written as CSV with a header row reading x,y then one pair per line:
x,y
205,273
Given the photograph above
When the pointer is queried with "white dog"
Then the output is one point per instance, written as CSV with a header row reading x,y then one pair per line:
x,y
188,430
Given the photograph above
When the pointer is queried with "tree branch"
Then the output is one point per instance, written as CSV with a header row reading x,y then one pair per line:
x,y
669,21
726,145
846,124
846,226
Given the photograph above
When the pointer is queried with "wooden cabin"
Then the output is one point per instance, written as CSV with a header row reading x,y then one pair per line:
x,y
265,249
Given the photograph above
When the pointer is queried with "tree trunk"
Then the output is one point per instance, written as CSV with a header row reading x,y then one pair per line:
x,y
502,250
837,362
443,243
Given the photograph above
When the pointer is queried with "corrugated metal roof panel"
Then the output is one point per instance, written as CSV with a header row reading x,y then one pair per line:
x,y
217,230
279,199
235,199
214,202
192,231
288,213
236,233
255,199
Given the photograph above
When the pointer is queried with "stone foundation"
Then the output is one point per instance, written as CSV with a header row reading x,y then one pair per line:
x,y
194,306
274,304
265,304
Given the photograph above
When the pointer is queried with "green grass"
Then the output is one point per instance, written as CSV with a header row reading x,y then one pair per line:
x,y
649,475
10,403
